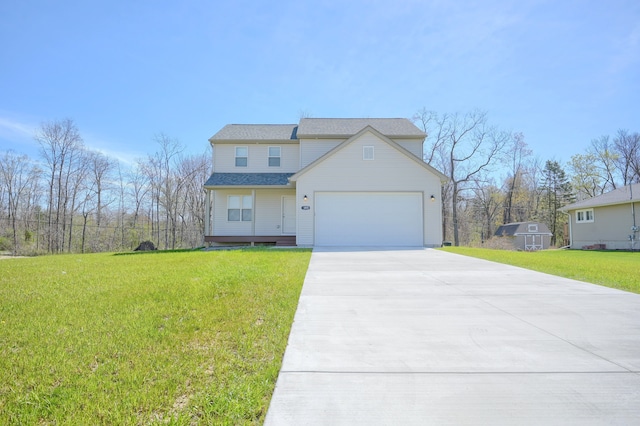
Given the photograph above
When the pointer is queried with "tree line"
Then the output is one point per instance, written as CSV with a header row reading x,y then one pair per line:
x,y
74,199
495,178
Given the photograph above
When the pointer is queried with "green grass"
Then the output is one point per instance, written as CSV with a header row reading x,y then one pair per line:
x,y
177,338
619,270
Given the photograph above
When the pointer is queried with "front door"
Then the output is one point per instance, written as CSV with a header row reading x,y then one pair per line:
x,y
288,215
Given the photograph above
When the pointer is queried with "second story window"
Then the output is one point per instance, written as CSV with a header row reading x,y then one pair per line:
x,y
274,156
242,154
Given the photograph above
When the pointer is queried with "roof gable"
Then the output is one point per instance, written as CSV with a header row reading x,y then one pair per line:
x,y
624,195
382,137
347,127
518,228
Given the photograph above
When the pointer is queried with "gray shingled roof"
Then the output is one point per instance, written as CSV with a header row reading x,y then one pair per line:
x,y
617,196
515,228
274,132
346,127
248,179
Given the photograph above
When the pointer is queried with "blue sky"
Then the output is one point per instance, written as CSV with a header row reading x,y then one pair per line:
x,y
561,72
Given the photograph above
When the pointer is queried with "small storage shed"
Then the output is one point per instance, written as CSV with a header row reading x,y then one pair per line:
x,y
527,236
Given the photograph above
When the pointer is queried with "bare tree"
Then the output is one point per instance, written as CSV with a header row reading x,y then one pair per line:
x,y
487,202
139,186
159,169
627,146
101,167
16,178
606,160
517,153
75,184
194,171
59,141
465,146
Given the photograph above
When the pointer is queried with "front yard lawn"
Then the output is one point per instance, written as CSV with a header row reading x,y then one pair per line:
x,y
179,338
619,270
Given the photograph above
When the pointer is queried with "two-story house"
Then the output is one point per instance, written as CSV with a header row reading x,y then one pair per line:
x,y
323,182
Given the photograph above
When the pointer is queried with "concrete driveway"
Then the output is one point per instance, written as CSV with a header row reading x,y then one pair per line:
x,y
402,337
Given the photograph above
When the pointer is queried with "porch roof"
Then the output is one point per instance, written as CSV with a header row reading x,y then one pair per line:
x,y
248,179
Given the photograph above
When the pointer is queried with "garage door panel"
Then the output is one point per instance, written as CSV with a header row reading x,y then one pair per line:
x,y
368,219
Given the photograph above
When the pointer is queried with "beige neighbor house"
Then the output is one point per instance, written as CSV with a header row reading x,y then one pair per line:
x,y
607,221
529,236
323,182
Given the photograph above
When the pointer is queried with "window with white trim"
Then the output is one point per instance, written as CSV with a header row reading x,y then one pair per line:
x,y
584,216
242,156
367,152
532,227
240,208
274,156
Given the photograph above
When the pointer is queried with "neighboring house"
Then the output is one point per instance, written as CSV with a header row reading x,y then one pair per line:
x,y
527,236
607,221
323,182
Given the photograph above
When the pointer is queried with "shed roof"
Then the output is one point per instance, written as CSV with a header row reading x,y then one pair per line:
x,y
346,127
520,228
624,195
248,179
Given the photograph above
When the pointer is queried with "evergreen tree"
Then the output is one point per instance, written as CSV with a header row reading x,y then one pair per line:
x,y
557,192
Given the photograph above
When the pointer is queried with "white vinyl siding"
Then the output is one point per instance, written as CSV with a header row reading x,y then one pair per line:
x,y
240,208
412,145
391,172
258,159
267,212
312,149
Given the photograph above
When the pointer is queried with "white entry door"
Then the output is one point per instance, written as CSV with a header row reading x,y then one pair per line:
x,y
289,215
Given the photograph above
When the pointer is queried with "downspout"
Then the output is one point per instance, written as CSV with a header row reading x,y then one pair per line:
x,y
207,212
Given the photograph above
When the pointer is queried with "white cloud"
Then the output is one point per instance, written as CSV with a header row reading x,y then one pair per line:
x,y
10,127
96,143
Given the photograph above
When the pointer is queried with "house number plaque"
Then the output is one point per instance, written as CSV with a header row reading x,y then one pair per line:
x,y
306,207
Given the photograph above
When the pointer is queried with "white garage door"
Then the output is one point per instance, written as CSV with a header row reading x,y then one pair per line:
x,y
368,219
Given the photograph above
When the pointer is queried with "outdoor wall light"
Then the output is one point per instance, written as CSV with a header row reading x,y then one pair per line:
x,y
305,198
433,198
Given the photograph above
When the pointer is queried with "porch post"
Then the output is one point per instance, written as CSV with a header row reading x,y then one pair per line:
x,y
207,212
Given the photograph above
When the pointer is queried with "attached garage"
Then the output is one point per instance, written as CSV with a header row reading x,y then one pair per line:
x,y
369,219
